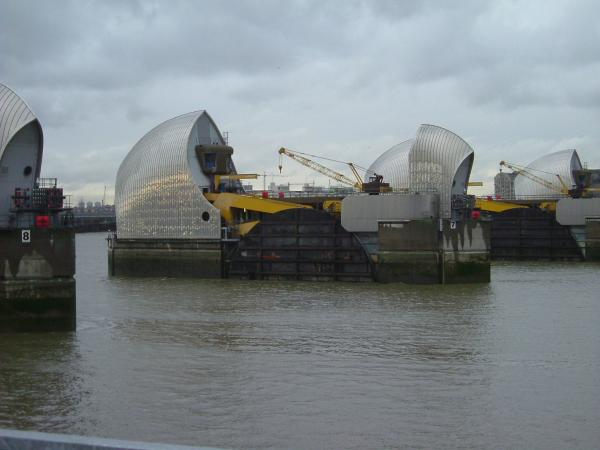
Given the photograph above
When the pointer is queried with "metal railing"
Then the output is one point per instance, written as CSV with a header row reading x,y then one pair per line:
x,y
333,194
47,183
31,440
556,196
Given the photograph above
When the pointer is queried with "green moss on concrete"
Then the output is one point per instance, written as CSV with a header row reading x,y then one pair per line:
x,y
408,267
132,259
469,267
592,251
37,305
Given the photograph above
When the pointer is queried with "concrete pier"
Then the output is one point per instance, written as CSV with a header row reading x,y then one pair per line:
x,y
37,287
592,240
466,252
408,252
177,258
418,252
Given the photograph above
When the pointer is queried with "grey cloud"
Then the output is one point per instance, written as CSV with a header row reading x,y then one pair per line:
x,y
103,45
348,78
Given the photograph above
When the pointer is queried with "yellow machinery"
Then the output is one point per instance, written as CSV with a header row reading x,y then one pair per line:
x,y
485,204
375,185
236,176
232,204
563,189
333,206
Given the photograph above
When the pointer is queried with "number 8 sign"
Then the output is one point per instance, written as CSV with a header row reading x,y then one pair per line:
x,y
25,236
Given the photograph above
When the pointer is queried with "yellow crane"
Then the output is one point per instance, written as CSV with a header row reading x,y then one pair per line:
x,y
563,189
301,158
339,177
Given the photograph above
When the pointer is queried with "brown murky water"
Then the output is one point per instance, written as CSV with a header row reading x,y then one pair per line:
x,y
239,364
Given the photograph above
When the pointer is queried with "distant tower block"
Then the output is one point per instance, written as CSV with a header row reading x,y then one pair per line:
x,y
504,185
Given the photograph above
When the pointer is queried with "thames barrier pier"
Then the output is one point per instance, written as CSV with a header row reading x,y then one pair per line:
x,y
552,210
37,244
166,227
181,210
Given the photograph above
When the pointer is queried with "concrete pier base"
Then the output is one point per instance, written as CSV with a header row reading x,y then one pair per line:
x,y
417,252
408,267
466,252
176,258
592,239
37,305
408,252
37,288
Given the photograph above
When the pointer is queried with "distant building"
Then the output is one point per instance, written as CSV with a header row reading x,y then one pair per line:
x,y
311,188
504,185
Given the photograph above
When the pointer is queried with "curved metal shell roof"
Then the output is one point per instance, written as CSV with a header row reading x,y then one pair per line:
x,y
158,191
435,160
14,115
561,163
393,165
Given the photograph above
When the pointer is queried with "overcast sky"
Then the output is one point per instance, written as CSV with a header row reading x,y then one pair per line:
x,y
342,79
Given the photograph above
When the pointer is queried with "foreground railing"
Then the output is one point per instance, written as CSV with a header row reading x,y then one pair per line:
x,y
548,197
30,440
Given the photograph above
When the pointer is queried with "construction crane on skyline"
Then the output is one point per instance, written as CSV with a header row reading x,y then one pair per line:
x,y
374,185
526,172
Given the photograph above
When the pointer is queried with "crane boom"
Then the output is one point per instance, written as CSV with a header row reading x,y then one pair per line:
x,y
341,178
355,172
563,189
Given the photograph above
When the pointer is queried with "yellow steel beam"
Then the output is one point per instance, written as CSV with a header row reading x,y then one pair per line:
x,y
235,176
495,205
246,227
226,201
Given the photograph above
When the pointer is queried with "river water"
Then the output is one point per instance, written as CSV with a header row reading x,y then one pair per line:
x,y
236,364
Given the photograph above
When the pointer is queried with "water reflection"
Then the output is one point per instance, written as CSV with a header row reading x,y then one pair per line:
x,y
41,384
337,318
250,364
